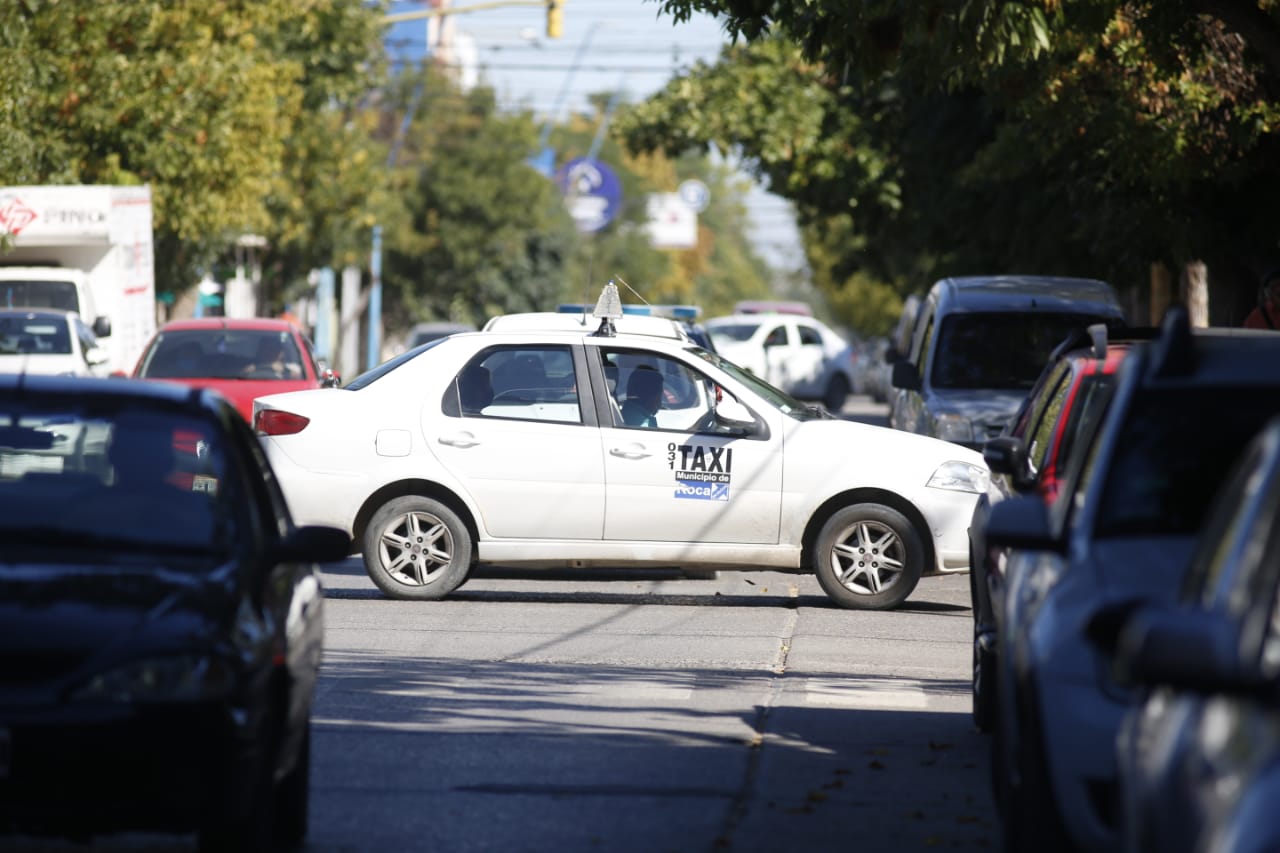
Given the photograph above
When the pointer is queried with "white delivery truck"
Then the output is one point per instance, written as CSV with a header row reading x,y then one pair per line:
x,y
86,249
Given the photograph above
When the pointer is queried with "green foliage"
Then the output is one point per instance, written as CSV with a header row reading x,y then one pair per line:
x,y
483,233
1091,137
275,118
204,101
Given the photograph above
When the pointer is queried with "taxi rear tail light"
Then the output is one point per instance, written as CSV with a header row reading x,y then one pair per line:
x,y
277,422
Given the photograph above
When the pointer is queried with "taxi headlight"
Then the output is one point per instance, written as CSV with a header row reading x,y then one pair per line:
x,y
959,477
952,428
181,678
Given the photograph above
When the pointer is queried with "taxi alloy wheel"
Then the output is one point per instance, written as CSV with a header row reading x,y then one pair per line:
x,y
417,548
868,557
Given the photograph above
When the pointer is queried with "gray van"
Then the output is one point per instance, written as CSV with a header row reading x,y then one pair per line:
x,y
978,345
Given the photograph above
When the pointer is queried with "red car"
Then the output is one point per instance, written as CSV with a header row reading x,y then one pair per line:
x,y
1074,388
241,359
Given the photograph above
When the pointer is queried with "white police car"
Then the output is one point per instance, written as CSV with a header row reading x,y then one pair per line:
x,y
511,448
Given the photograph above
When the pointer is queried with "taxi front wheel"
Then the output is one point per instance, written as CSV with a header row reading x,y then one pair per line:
x,y
868,557
417,548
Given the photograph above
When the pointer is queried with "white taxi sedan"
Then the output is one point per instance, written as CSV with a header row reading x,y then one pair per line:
x,y
512,449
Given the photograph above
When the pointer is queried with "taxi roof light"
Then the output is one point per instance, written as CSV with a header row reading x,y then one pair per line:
x,y
608,309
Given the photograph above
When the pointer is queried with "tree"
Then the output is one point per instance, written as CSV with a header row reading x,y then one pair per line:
x,y
484,233
202,101
1089,137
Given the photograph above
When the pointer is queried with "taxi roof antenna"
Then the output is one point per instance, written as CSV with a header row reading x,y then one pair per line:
x,y
608,309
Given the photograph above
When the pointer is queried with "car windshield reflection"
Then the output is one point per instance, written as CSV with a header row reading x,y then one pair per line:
x,y
141,480
776,397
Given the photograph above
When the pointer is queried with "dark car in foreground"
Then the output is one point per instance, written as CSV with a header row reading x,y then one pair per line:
x,y
1199,753
1123,528
160,618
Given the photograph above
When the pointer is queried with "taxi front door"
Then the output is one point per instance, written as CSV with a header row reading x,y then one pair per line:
x,y
664,485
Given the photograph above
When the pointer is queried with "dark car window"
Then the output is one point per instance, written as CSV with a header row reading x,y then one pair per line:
x,y
141,479
999,350
34,333
733,331
1170,457
1222,530
1044,414
222,354
1092,398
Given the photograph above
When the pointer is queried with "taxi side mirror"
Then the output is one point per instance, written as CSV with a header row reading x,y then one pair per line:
x,y
733,413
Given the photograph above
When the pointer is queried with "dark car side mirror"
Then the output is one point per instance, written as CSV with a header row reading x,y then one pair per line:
x,y
1188,648
1007,454
905,376
892,356
312,544
1022,522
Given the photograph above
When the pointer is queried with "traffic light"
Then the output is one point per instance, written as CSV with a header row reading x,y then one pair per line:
x,y
555,18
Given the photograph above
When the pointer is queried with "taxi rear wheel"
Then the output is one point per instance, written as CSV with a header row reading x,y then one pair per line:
x,y
417,548
868,557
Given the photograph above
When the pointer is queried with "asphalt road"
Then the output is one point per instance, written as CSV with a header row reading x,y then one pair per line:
x,y
631,711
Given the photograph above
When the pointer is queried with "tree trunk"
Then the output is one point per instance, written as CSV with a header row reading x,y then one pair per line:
x,y
1195,292
1161,285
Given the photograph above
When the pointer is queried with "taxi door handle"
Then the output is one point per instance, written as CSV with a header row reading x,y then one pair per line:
x,y
459,439
635,451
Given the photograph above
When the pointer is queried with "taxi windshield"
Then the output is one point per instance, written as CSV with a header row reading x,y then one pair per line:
x,y
779,399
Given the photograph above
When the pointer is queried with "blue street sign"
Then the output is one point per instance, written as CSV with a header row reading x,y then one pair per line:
x,y
591,191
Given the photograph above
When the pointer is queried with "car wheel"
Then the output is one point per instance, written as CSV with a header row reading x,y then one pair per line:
x,y
417,548
984,689
984,664
868,557
1029,819
249,832
836,394
292,796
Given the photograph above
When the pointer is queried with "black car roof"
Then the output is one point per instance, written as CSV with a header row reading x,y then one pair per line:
x,y
84,388
1218,356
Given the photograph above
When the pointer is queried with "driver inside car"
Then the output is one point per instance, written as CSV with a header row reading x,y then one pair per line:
x,y
644,398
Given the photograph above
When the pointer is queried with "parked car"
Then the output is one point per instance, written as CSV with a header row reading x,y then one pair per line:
x,y
898,348
870,374
978,345
422,333
240,359
1198,755
509,448
1132,502
773,306
49,342
160,618
1028,458
794,352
